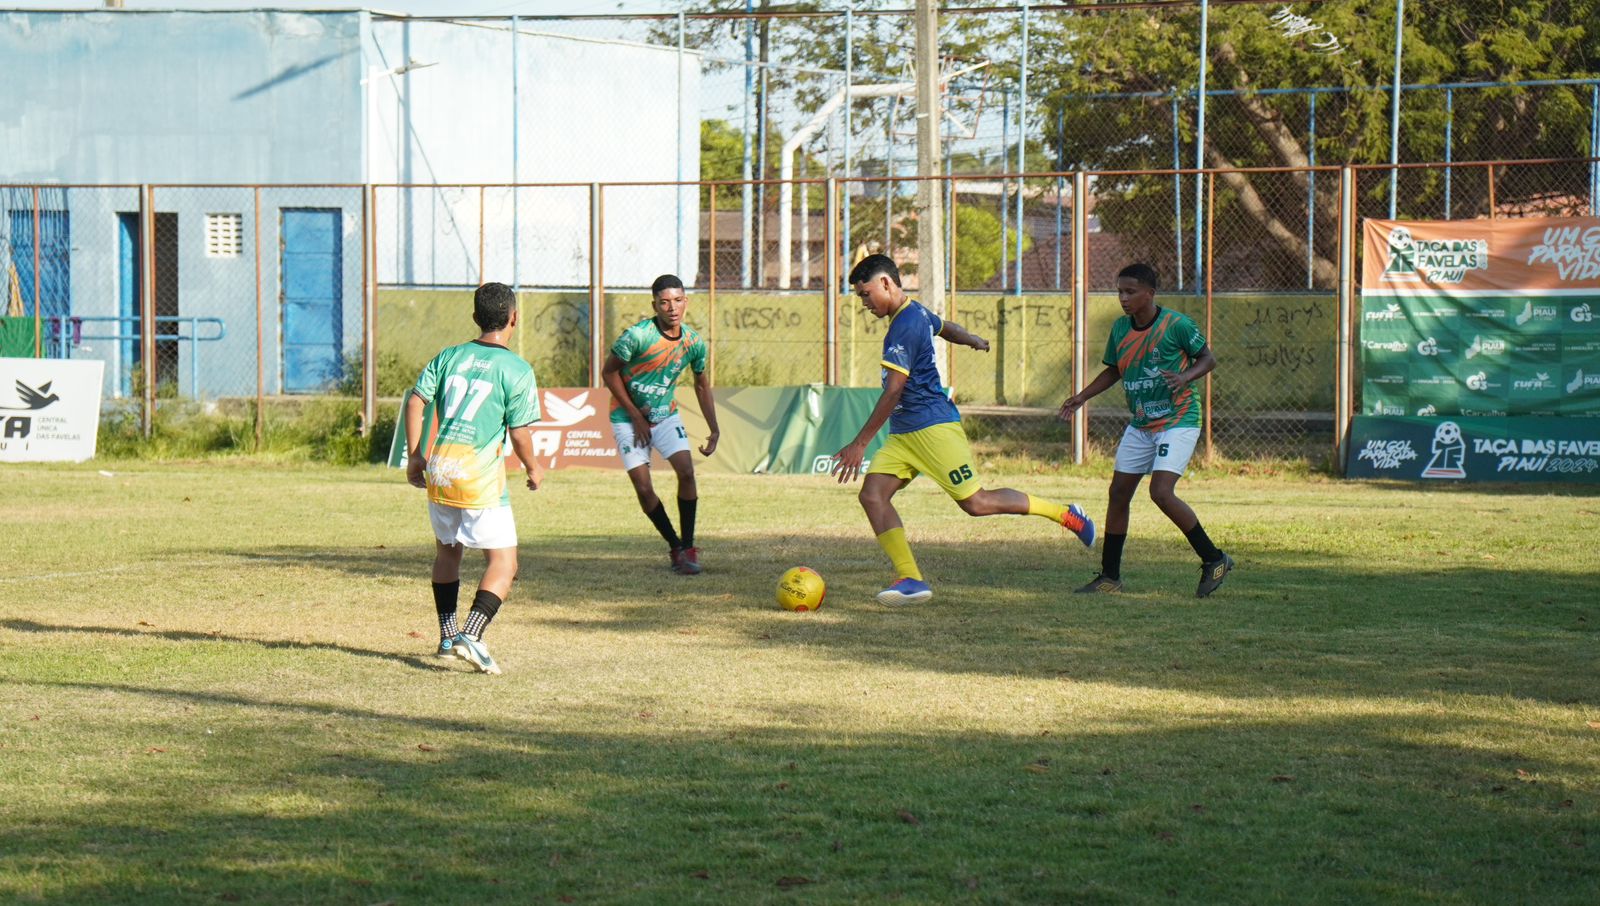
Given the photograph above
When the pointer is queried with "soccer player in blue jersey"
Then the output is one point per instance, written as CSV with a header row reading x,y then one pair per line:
x,y
483,392
1156,354
925,433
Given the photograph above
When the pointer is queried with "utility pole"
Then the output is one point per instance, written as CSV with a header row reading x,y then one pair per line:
x,y
930,158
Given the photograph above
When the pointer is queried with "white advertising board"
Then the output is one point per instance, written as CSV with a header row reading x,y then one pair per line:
x,y
49,409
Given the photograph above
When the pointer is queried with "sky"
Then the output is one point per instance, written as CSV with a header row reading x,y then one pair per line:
x,y
409,7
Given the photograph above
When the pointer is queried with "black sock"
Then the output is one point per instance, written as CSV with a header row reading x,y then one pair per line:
x,y
484,606
444,601
664,525
686,519
1202,544
1111,555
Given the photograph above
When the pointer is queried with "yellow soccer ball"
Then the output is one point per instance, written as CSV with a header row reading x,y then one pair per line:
x,y
801,589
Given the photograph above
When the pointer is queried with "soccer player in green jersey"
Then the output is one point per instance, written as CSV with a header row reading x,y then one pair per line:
x,y
482,392
925,433
642,372
1157,354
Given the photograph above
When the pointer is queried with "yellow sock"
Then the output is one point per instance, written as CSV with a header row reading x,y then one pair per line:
x,y
1050,511
895,545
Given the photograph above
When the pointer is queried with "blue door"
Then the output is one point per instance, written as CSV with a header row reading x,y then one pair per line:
x,y
128,299
55,266
311,289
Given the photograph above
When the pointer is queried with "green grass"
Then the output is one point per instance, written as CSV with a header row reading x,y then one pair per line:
x,y
217,686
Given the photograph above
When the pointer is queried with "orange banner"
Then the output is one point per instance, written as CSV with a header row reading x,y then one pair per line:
x,y
1537,255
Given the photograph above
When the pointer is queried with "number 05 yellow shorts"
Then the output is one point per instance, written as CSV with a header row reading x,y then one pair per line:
x,y
940,451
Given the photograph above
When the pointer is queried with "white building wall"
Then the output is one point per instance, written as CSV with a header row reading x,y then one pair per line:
x,y
586,111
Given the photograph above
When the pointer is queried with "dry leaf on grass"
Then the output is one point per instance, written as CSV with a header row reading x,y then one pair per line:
x,y
788,881
414,634
1282,778
425,747
907,817
702,874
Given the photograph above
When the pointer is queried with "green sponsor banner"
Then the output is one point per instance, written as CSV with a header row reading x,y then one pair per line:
x,y
1475,449
1485,356
789,430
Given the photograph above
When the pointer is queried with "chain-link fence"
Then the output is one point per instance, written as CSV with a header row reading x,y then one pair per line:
x,y
289,292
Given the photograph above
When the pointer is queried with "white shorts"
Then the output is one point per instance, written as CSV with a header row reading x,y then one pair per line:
x,y
489,529
667,437
1142,452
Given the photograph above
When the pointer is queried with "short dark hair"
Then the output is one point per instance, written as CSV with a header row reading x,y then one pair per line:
x,y
871,267
1143,273
665,281
492,306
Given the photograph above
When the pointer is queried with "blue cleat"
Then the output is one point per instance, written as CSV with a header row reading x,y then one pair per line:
x,y
905,591
475,653
446,648
1076,521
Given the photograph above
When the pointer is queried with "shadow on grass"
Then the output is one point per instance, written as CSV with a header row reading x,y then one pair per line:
x,y
1287,621
422,809
177,635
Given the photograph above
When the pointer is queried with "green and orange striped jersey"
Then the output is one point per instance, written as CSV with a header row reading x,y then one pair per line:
x,y
651,364
478,391
1170,343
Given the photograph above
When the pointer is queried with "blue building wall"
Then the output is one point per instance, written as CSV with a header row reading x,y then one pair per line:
x,y
204,105
125,96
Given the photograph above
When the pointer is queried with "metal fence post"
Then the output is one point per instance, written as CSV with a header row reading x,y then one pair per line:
x,y
597,305
147,305
369,306
38,281
830,280
711,285
1211,241
261,366
1080,309
1344,379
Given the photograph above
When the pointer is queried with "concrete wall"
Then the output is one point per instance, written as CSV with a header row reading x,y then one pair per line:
x,y
1275,351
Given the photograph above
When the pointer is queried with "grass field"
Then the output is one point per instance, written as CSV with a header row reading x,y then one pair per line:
x,y
217,686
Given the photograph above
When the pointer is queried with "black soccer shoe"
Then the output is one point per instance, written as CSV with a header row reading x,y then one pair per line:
x,y
1100,585
1212,574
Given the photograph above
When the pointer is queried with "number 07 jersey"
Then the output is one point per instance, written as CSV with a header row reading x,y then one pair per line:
x,y
478,390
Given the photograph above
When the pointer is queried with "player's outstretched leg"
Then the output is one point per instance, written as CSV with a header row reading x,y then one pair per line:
x,y
1069,516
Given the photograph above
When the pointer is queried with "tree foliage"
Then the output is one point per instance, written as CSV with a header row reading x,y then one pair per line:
x,y
1149,58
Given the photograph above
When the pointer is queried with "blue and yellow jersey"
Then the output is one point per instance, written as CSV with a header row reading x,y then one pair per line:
x,y
478,391
908,349
1170,343
651,364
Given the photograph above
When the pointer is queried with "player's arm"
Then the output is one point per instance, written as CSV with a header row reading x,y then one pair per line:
x,y
416,406
708,408
1199,366
1099,385
611,374
522,445
960,336
847,462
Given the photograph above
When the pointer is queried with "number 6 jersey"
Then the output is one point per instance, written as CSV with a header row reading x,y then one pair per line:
x,y
477,390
